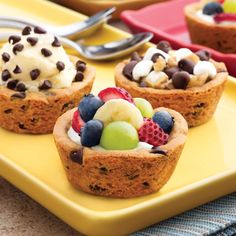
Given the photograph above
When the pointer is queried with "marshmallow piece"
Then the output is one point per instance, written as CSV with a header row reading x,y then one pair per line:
x,y
156,79
151,51
142,69
205,67
182,53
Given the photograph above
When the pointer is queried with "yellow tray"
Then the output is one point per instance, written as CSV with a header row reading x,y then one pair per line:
x,y
206,170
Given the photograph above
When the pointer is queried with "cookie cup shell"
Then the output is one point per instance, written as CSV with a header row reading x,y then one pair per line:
x,y
38,111
217,36
120,174
197,104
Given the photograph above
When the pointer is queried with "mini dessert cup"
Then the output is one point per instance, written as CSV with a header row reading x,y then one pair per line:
x,y
119,173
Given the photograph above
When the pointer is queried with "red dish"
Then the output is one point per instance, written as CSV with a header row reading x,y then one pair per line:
x,y
166,21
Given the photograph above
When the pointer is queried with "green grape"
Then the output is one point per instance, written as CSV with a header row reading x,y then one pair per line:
x,y
144,106
229,6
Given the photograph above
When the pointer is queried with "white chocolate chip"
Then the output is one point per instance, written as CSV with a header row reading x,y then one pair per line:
x,y
151,51
156,79
142,69
205,67
182,53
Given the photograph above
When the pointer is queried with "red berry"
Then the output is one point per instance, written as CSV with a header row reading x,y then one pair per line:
x,y
150,132
77,122
115,93
224,17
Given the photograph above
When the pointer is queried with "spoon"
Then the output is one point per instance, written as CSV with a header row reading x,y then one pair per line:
x,y
107,51
72,31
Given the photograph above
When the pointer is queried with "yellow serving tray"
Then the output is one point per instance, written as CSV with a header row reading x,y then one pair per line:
x,y
206,170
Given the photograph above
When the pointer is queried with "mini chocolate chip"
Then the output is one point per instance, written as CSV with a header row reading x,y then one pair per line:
x,y
34,74
6,75
164,46
128,69
32,40
203,55
79,76
6,57
186,65
39,30
77,156
17,70
18,48
21,126
56,42
20,95
80,62
96,188
21,87
170,71
47,84
80,67
143,84
135,57
14,39
46,52
158,150
12,84
8,111
146,184
60,65
103,170
155,57
26,30
200,105
180,80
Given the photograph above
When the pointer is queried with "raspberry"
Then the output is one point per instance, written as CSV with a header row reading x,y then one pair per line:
x,y
151,133
77,122
225,17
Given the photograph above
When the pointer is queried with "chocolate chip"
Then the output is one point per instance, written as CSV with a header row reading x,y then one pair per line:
x,y
103,170
164,46
6,75
46,52
80,67
79,76
146,185
39,30
56,42
20,95
180,80
14,39
158,150
8,111
18,48
60,65
20,87
34,74
203,55
46,85
32,40
155,57
26,30
96,188
12,84
21,126
186,65
80,62
135,57
199,105
77,156
170,71
5,57
128,69
17,70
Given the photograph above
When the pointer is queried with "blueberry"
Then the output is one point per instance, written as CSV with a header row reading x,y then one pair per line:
x,y
88,106
91,133
164,120
212,8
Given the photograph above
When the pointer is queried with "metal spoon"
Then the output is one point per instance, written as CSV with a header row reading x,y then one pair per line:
x,y
72,31
107,51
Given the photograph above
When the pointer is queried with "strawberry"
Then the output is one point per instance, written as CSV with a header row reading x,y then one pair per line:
x,y
77,122
115,93
150,132
225,17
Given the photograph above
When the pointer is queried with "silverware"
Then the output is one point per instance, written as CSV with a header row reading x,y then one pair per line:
x,y
72,31
107,51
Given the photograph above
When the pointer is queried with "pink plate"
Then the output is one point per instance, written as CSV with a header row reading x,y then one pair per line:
x,y
166,21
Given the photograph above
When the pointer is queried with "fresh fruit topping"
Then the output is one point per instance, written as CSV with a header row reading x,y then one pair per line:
x,y
203,55
225,17
186,65
152,133
119,110
88,106
164,120
128,69
77,122
115,93
91,133
212,8
119,135
164,46
144,106
180,80
229,6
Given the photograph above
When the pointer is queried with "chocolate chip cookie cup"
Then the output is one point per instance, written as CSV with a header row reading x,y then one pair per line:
x,y
108,170
190,83
39,82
